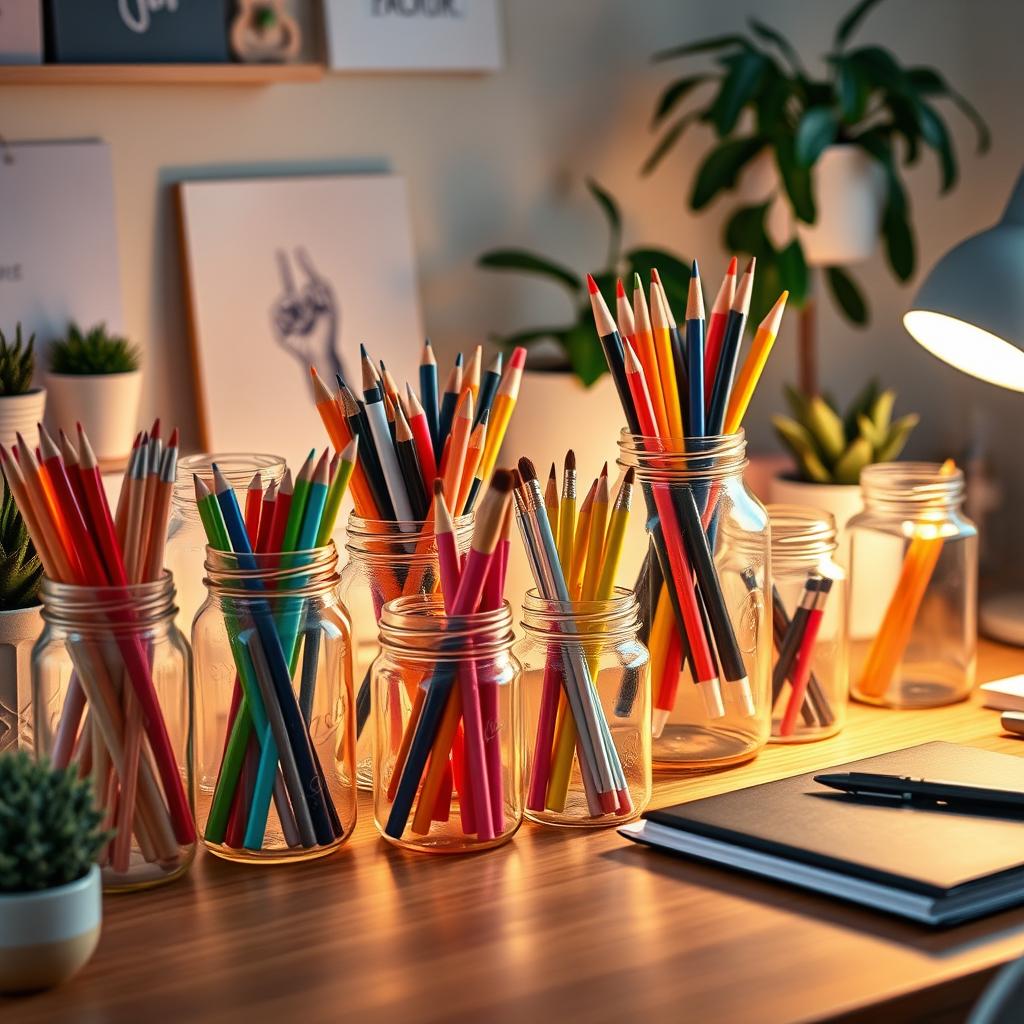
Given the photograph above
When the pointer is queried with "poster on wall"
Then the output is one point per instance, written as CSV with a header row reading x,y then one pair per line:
x,y
58,253
413,35
287,273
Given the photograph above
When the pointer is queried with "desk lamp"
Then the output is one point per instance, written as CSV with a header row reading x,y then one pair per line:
x,y
970,313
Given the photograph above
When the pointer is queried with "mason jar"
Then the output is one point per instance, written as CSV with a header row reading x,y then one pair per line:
x,y
708,632
810,626
386,559
559,791
112,694
914,561
274,753
426,794
185,552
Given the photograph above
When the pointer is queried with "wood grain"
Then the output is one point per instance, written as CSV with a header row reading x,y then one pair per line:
x,y
158,74
553,926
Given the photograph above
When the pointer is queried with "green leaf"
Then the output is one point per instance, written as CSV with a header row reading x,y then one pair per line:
x,y
928,82
614,217
860,406
775,93
881,413
673,95
798,403
745,231
798,441
702,46
738,88
817,129
899,241
767,287
721,168
797,180
848,469
826,428
848,296
879,68
527,262
897,439
784,46
867,430
853,90
668,140
584,350
936,135
849,24
674,271
793,271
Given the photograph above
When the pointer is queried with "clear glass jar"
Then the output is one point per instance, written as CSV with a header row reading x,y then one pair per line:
x,y
386,560
710,643
433,804
605,634
112,693
186,540
914,558
810,627
274,754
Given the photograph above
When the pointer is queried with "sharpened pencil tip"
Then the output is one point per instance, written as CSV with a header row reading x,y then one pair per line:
x,y
604,469
731,270
655,276
518,358
591,285
553,475
694,269
630,476
458,359
620,291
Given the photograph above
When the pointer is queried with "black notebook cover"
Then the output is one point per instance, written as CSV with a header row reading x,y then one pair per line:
x,y
931,852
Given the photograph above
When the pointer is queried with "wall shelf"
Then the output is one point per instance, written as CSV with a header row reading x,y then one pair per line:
x,y
158,74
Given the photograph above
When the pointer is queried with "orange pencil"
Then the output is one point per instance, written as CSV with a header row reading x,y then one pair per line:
x,y
462,423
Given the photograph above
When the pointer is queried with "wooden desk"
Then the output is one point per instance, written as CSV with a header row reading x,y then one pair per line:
x,y
551,927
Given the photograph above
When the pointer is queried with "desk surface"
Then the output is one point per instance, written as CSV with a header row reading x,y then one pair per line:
x,y
551,926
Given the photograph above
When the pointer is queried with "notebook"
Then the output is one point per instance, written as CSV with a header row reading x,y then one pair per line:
x,y
1004,694
934,866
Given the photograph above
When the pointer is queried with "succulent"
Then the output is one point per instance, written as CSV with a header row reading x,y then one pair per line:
x,y
49,825
20,568
831,448
17,364
577,338
94,352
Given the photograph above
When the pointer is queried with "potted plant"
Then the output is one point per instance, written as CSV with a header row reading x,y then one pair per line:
x,y
20,619
21,405
95,380
50,895
815,160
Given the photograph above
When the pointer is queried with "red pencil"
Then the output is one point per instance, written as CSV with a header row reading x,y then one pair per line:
x,y
716,329
421,435
624,312
253,507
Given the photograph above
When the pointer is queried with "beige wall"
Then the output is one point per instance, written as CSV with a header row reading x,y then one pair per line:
x,y
498,160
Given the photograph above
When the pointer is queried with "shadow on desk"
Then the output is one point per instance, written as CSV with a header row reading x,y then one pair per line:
x,y
793,900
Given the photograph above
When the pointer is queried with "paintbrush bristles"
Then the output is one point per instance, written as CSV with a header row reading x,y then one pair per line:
x,y
491,512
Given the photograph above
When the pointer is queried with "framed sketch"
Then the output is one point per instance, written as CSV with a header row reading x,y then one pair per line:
x,y
413,35
285,273
58,253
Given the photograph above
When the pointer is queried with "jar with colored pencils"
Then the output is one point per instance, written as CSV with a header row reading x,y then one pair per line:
x,y
913,579
275,745
186,539
442,781
386,559
809,602
600,636
703,595
112,693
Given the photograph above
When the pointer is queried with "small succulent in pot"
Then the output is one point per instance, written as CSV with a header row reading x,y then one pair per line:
x,y
17,364
93,352
831,447
20,568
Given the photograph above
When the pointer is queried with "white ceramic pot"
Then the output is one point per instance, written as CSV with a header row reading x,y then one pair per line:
x,y
47,937
20,414
19,630
107,406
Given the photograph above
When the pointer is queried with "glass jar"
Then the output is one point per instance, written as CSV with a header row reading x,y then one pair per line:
x,y
186,540
914,559
709,638
810,629
426,658
386,560
605,634
274,754
112,693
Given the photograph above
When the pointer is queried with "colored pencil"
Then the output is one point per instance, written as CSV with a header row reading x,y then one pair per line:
x,y
488,389
728,359
695,355
716,327
750,372
449,399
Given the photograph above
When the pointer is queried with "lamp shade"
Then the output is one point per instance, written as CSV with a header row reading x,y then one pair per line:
x,y
970,309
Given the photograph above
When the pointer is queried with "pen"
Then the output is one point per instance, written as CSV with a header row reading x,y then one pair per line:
x,y
922,792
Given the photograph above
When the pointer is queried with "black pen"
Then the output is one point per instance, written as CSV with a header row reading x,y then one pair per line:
x,y
922,792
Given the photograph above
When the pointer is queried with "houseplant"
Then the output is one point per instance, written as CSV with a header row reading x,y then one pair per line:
x,y
95,380
20,619
21,405
819,158
50,896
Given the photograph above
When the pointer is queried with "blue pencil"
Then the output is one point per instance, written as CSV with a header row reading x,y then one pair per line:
x,y
695,354
449,400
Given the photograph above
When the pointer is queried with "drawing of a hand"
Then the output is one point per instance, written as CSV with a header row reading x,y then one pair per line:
x,y
306,320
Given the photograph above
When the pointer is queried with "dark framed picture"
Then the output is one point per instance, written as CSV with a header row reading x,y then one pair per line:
x,y
137,31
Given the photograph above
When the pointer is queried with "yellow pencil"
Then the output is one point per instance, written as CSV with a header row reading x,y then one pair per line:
x,y
666,366
615,538
579,548
753,366
501,411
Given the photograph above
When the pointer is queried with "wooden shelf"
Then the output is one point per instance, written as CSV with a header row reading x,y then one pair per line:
x,y
158,74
